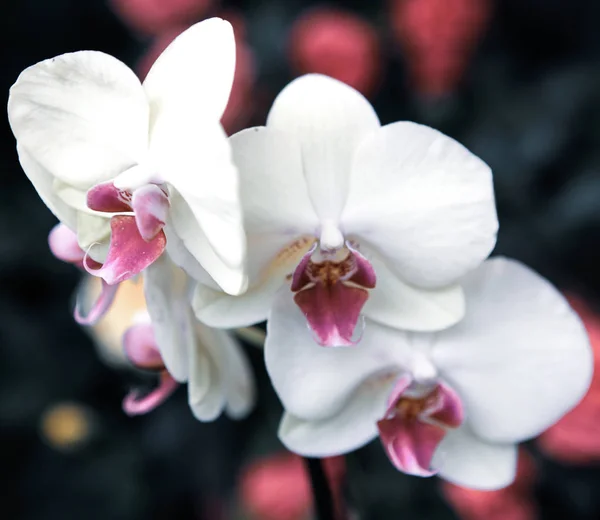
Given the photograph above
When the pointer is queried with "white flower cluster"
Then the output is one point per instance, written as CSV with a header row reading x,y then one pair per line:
x,y
363,246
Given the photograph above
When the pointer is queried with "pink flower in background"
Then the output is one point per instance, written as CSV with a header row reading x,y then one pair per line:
x,y
338,44
157,16
438,38
575,438
277,487
515,502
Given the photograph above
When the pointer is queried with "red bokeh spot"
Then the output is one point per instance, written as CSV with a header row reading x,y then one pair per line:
x,y
157,16
438,38
338,44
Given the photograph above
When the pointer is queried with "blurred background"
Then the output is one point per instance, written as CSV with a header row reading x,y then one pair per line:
x,y
516,81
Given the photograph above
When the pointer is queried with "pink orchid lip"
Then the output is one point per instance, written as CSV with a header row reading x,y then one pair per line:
x,y
414,426
139,345
105,197
99,307
136,404
129,254
331,294
151,206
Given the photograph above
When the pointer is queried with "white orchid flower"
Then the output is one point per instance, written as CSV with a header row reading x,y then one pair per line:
x,y
117,160
455,402
168,339
348,213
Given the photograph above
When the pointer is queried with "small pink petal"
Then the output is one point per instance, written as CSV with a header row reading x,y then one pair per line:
x,y
128,254
140,347
64,246
332,311
402,383
108,199
365,274
151,207
447,409
133,404
99,308
410,445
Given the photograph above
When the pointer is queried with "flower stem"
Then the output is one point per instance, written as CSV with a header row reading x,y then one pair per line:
x,y
323,499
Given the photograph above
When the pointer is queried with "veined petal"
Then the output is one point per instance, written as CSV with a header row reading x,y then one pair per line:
x,y
520,359
314,382
42,181
194,74
466,460
216,309
274,193
329,119
235,372
206,212
423,201
166,289
83,116
352,426
403,306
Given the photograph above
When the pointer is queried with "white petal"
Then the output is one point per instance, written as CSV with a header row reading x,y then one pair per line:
x,y
314,382
221,310
350,428
466,460
274,193
83,116
166,290
207,218
234,369
206,393
424,202
93,230
329,119
403,306
42,181
520,359
194,74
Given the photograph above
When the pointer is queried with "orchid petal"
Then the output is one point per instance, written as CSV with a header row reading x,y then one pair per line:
x,y
423,202
400,305
205,211
166,289
206,392
133,404
221,310
151,207
83,116
410,445
520,359
353,426
140,347
329,119
448,409
64,246
107,198
194,74
93,235
466,460
277,208
314,382
99,308
43,182
234,368
129,253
